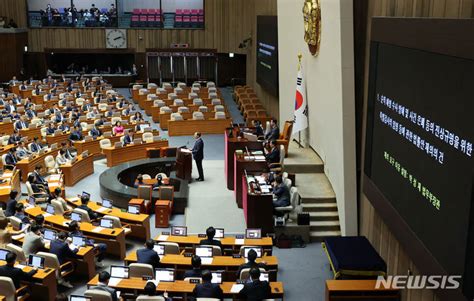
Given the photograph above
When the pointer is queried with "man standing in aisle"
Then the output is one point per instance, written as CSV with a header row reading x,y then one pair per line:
x,y
198,154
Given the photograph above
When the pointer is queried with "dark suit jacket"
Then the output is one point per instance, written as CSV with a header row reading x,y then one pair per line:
x,y
127,140
19,126
110,290
14,140
50,131
10,159
62,250
198,150
249,265
148,256
35,147
16,274
210,242
10,210
273,156
75,136
274,134
283,196
208,290
255,290
259,131
95,132
193,273
92,214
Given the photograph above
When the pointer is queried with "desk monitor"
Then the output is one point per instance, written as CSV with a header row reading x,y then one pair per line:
x,y
78,241
179,231
76,216
253,233
36,261
203,251
165,275
119,271
32,201
106,203
79,298
219,233
264,277
216,277
49,234
107,223
86,195
50,209
256,249
133,209
3,254
160,249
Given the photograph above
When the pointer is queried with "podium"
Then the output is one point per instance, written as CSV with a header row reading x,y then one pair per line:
x,y
184,163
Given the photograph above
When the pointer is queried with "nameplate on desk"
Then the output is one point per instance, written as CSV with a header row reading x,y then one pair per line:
x,y
236,256
163,237
206,260
240,241
165,233
102,209
188,254
97,229
147,278
194,281
239,236
202,235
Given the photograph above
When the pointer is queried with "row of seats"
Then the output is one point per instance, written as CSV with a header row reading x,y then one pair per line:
x,y
196,116
248,103
189,18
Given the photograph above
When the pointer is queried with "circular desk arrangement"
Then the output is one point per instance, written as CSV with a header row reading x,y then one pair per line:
x,y
116,183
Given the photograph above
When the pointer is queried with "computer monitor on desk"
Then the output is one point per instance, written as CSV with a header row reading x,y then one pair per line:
x,y
119,272
76,216
79,298
78,241
160,249
49,235
258,250
216,277
219,233
36,261
133,209
107,223
3,254
204,251
106,203
165,275
253,233
179,231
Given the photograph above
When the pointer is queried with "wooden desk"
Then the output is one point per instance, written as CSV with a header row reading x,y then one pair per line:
x,y
44,284
31,133
114,238
258,208
51,139
78,170
12,183
6,128
358,289
128,153
240,165
181,288
139,223
189,127
164,118
28,165
190,241
231,145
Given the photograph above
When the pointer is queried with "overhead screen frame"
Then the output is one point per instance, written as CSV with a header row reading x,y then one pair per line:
x,y
442,36
270,87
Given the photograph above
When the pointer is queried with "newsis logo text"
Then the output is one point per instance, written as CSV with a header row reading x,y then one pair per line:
x,y
418,282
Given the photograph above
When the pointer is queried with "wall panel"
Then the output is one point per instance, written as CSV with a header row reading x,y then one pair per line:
x,y
371,224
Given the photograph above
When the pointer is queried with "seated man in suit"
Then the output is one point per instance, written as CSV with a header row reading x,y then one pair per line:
x,y
206,289
74,230
104,278
274,133
33,241
20,213
196,271
35,146
10,158
95,132
50,129
139,181
252,257
148,255
281,192
84,202
14,138
21,151
11,203
60,247
61,158
76,134
16,274
39,179
255,289
39,190
258,128
21,124
273,156
211,232
128,139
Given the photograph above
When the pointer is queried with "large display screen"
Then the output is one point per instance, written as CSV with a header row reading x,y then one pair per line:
x,y
419,145
267,53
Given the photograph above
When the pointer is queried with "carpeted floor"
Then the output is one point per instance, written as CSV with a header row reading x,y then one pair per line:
x,y
302,271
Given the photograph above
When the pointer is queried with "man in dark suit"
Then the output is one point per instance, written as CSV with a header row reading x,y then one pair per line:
x,y
14,138
104,278
84,202
274,133
50,129
255,290
10,158
282,193
95,132
210,241
252,257
21,124
273,156
16,274
258,128
128,139
198,154
39,179
206,289
196,271
148,255
11,204
35,145
60,247
76,134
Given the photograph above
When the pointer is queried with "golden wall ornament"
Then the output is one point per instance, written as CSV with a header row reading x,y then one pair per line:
x,y
312,25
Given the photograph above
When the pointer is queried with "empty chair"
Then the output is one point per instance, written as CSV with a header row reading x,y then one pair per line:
x,y
7,287
178,90
197,102
167,86
165,109
287,182
172,96
62,270
80,101
39,196
216,101
161,91
151,97
183,110
170,247
159,103
50,164
146,176
198,116
192,95
219,108
212,90
178,102
195,90
103,107
6,137
212,95
20,255
105,143
84,215
176,116
140,270
147,137
150,298
58,207
152,86
219,115
196,85
15,222
143,92
203,109
98,295
116,223
216,250
210,84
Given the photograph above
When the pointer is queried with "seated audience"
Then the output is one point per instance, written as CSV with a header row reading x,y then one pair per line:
x,y
210,233
104,278
281,192
118,129
251,257
11,203
274,132
20,213
33,241
16,274
148,255
206,289
99,247
6,233
196,271
255,289
273,155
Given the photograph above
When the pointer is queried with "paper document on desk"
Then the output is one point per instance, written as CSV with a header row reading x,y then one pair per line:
x,y
102,209
113,281
97,229
260,158
20,266
46,214
162,237
206,260
257,153
236,288
72,247
54,178
239,241
7,174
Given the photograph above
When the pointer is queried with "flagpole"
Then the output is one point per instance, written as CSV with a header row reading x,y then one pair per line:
x,y
299,68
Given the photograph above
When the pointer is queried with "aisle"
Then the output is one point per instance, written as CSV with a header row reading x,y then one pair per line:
x,y
210,203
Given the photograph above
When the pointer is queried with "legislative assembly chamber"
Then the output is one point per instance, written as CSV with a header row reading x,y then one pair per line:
x,y
236,150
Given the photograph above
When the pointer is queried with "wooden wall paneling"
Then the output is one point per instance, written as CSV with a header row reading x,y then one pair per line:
x,y
14,9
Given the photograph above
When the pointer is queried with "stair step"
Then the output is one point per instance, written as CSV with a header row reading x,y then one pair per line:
x,y
325,226
317,207
317,200
323,216
318,236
